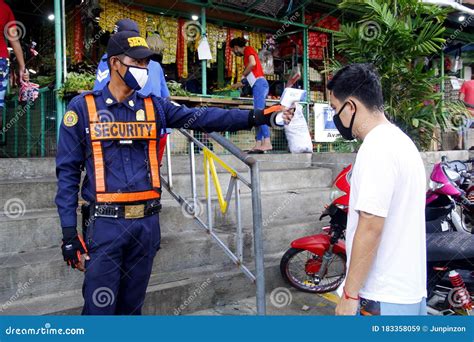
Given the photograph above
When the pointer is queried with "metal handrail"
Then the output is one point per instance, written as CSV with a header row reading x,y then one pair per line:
x,y
254,185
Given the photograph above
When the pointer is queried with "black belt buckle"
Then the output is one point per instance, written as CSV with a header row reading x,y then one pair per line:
x,y
106,211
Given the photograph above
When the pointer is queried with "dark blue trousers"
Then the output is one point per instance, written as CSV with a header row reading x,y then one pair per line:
x,y
121,258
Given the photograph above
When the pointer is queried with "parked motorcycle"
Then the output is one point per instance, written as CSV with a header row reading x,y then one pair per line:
x,y
317,263
447,206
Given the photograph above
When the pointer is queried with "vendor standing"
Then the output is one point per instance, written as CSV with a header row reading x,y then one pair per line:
x,y
253,75
11,34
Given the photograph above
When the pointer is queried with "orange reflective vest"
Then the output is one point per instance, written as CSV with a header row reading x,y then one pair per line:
x,y
137,130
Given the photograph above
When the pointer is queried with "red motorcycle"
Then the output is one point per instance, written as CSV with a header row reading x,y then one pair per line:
x,y
317,263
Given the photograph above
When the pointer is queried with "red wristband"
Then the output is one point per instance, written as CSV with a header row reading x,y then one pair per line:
x,y
346,295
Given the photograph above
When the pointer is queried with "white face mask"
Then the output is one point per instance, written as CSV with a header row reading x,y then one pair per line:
x,y
140,75
135,77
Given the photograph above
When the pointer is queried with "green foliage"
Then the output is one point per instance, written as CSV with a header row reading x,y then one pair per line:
x,y
397,36
76,82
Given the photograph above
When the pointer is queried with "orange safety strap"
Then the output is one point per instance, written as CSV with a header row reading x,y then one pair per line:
x,y
101,195
149,109
272,109
152,147
96,147
128,197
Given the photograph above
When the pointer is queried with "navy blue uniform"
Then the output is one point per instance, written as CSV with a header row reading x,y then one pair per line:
x,y
121,250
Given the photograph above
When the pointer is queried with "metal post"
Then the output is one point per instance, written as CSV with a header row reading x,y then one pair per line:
x,y
28,128
43,126
15,131
4,122
59,64
203,62
192,162
168,161
240,246
209,197
63,24
258,239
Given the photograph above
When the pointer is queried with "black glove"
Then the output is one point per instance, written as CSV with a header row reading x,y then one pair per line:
x,y
73,246
258,117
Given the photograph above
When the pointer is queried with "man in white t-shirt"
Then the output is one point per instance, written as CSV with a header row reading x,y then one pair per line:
x,y
385,238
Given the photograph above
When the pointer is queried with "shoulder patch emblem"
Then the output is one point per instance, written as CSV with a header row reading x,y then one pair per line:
x,y
70,119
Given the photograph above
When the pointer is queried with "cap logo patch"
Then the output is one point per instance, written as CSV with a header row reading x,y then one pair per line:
x,y
137,41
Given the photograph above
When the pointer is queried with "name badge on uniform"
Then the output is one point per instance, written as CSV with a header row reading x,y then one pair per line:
x,y
140,115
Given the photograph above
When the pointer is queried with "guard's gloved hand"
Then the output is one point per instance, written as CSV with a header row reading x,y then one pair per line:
x,y
270,116
73,248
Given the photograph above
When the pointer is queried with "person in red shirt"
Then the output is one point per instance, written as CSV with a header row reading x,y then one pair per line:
x,y
8,31
253,75
466,94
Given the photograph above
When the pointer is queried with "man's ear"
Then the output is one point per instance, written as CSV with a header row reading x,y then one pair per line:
x,y
352,105
114,63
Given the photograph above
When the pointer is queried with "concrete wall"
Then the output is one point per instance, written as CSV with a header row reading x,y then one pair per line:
x,y
337,161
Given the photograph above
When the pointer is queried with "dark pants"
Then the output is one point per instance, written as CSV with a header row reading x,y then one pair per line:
x,y
121,258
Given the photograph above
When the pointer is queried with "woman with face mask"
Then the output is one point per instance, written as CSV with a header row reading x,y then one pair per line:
x,y
253,75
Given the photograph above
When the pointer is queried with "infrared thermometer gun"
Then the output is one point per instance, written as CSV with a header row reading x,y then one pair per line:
x,y
288,99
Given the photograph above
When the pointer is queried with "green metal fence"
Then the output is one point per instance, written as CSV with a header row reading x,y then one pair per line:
x,y
29,129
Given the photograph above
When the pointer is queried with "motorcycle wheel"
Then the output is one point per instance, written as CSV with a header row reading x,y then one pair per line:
x,y
298,265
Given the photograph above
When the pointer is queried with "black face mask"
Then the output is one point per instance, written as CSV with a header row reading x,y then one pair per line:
x,y
346,132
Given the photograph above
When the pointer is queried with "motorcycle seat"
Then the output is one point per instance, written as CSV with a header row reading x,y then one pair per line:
x,y
449,246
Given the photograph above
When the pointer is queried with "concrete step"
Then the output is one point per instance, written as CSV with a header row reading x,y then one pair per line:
x,y
44,271
270,180
32,168
31,194
180,293
39,229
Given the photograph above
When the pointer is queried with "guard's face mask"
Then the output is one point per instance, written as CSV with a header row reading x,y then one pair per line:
x,y
135,77
346,132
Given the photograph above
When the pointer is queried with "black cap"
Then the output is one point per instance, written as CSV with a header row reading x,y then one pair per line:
x,y
129,44
126,25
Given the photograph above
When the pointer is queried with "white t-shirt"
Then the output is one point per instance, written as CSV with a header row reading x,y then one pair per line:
x,y
388,180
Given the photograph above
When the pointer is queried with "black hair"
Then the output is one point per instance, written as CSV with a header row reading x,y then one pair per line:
x,y
239,41
121,57
360,80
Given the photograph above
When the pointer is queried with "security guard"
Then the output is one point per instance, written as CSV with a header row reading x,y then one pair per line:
x,y
114,134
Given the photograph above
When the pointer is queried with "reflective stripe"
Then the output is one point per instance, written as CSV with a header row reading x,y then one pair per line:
x,y
149,109
128,197
154,166
98,166
152,147
98,156
100,131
